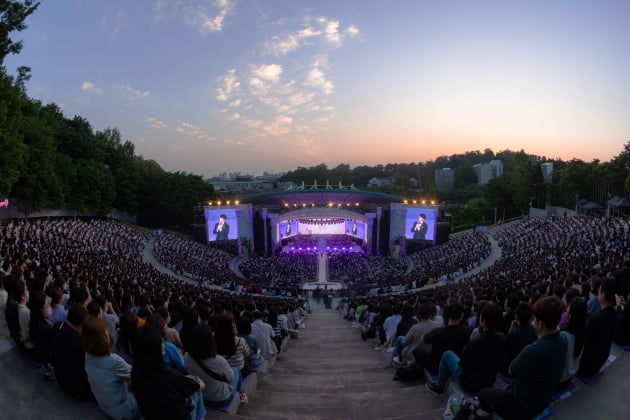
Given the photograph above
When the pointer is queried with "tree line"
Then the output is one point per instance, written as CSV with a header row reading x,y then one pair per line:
x,y
522,183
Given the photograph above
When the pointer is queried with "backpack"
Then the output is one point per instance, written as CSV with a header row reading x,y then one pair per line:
x,y
407,373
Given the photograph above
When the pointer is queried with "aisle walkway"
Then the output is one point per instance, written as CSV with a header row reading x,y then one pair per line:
x,y
330,373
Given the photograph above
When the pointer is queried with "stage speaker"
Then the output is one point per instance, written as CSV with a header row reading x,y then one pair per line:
x,y
442,232
199,234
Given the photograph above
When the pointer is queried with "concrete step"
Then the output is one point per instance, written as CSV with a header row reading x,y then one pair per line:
x,y
324,410
297,380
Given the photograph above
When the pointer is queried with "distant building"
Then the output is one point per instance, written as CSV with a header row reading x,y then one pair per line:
x,y
444,179
379,181
236,182
486,171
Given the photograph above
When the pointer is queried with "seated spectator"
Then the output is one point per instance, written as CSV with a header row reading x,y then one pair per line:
x,y
264,334
222,381
24,321
68,357
244,330
234,349
58,311
536,370
162,393
599,331
172,356
511,302
481,358
575,334
41,331
107,372
521,334
4,296
414,337
407,320
622,335
453,336
127,327
170,334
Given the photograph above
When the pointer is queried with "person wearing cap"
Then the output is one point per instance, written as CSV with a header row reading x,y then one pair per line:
x,y
221,228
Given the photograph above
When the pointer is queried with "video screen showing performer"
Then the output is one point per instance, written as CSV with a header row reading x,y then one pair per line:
x,y
420,223
221,224
288,228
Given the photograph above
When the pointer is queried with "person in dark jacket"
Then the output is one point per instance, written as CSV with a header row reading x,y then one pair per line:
x,y
68,357
481,358
600,331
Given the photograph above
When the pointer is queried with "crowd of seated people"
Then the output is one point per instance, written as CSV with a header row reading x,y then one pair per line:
x,y
193,260
282,270
365,271
450,260
85,309
546,312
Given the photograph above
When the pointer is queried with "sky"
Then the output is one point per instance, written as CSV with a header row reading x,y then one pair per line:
x,y
251,85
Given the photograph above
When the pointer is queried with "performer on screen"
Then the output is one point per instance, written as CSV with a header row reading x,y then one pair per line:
x,y
221,228
287,231
420,228
354,229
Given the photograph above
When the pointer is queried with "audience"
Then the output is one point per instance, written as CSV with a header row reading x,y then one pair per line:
x,y
536,370
98,264
107,372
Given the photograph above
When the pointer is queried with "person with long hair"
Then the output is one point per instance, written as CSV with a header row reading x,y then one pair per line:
x,y
171,354
244,330
575,334
233,348
68,357
222,381
107,372
41,331
127,326
162,393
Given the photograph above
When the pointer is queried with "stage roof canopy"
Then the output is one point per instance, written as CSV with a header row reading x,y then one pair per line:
x,y
322,198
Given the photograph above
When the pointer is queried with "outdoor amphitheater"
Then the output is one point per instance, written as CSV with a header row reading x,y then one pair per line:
x,y
334,271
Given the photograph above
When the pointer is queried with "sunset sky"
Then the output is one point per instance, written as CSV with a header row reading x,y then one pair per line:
x,y
253,85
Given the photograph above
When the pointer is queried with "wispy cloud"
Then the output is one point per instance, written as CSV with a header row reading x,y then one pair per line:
x,y
155,123
267,71
321,28
192,130
207,20
228,83
132,93
316,78
90,87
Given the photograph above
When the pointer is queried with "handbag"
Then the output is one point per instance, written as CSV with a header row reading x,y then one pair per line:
x,y
209,372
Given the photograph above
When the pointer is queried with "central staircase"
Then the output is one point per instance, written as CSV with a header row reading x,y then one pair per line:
x,y
330,373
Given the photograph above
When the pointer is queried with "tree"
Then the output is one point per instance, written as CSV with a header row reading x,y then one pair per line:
x,y
13,16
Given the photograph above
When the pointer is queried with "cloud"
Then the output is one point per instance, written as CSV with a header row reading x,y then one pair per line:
x,y
133,94
316,78
280,126
89,87
267,71
235,103
228,84
331,30
193,131
234,116
207,21
155,123
323,28
352,31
